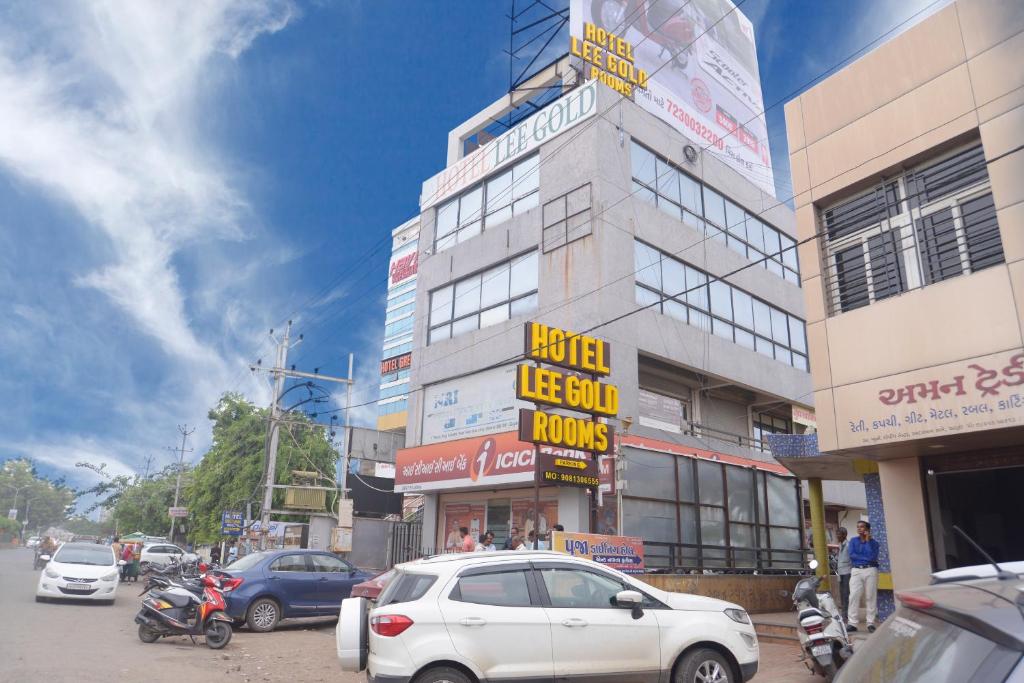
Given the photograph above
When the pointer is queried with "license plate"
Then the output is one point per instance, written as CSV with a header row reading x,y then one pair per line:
x,y
819,650
78,587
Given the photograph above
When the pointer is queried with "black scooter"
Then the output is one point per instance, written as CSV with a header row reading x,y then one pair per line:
x,y
184,609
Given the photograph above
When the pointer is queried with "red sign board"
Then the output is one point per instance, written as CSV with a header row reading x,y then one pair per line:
x,y
404,267
396,363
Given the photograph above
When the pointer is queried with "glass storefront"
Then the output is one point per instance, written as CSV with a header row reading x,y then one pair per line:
x,y
498,513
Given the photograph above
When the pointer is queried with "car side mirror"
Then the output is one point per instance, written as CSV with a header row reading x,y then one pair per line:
x,y
44,558
121,563
633,600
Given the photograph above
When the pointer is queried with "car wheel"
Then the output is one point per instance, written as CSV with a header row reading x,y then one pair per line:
x,y
147,635
443,674
218,634
263,615
703,666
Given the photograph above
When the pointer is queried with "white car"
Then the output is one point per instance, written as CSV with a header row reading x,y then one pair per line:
x,y
540,616
160,554
80,571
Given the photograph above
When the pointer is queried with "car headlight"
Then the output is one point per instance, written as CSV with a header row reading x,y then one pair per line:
x,y
109,577
51,573
737,615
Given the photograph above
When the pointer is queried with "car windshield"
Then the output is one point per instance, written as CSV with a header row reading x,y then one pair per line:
x,y
98,555
913,646
248,562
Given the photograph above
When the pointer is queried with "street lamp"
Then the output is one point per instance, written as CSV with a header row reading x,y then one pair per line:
x,y
24,524
17,490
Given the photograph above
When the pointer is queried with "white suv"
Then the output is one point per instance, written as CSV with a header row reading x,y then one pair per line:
x,y
540,616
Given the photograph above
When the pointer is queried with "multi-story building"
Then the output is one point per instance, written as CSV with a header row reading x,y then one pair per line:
x,y
594,214
396,352
908,170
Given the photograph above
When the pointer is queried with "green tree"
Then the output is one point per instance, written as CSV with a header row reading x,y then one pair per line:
x,y
136,504
230,473
40,502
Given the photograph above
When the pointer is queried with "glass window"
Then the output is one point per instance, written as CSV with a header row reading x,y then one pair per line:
x,y
484,299
796,334
674,277
502,589
524,274
645,298
289,563
877,248
709,480
789,255
643,165
743,309
405,588
329,563
495,285
782,501
471,206
651,520
574,588
499,192
441,305
737,315
652,474
735,219
714,207
647,265
741,494
690,194
936,234
467,296
668,182
526,177
981,232
447,218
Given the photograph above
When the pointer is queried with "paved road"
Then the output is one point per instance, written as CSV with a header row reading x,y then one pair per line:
x,y
85,643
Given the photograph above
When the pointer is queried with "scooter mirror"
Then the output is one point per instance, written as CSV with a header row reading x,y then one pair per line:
x,y
813,564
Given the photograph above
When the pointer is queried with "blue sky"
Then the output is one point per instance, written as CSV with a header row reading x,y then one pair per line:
x,y
177,178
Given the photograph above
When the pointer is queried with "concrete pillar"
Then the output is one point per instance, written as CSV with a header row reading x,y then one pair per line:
x,y
817,503
573,509
429,539
906,524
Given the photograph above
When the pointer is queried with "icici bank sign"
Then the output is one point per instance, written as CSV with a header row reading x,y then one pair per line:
x,y
479,461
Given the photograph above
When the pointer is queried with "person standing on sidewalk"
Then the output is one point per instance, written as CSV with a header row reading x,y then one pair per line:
x,y
863,577
844,566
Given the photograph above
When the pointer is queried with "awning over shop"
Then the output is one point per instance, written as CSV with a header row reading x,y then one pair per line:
x,y
800,455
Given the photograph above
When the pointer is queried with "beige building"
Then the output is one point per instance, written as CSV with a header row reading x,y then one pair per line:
x,y
908,171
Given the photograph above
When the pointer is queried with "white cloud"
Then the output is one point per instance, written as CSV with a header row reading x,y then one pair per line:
x,y
100,109
102,114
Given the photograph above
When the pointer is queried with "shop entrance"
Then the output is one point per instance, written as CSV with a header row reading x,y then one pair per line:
x,y
983,502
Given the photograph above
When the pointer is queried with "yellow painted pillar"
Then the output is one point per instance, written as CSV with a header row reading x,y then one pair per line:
x,y
817,501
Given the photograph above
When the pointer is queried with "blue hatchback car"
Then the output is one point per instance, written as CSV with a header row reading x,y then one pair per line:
x,y
263,588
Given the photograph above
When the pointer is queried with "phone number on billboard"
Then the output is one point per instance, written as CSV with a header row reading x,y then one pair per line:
x,y
566,478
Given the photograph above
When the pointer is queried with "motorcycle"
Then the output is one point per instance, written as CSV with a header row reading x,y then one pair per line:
x,y
186,608
821,627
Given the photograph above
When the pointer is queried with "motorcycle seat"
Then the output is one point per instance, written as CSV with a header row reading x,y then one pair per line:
x,y
175,599
809,612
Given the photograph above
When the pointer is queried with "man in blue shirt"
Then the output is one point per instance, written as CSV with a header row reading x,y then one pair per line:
x,y
863,577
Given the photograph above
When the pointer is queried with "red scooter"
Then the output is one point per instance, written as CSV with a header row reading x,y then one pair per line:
x,y
185,609
674,34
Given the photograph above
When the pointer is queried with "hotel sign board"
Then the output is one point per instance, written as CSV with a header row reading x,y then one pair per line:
x,y
574,386
562,115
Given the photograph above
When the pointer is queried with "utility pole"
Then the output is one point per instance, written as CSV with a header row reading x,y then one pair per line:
x,y
280,372
343,479
185,433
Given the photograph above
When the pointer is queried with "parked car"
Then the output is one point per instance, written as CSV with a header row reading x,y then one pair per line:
x,y
263,588
80,571
965,627
160,554
513,615
371,588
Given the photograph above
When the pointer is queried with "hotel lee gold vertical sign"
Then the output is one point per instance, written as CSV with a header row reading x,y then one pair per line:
x,y
574,386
